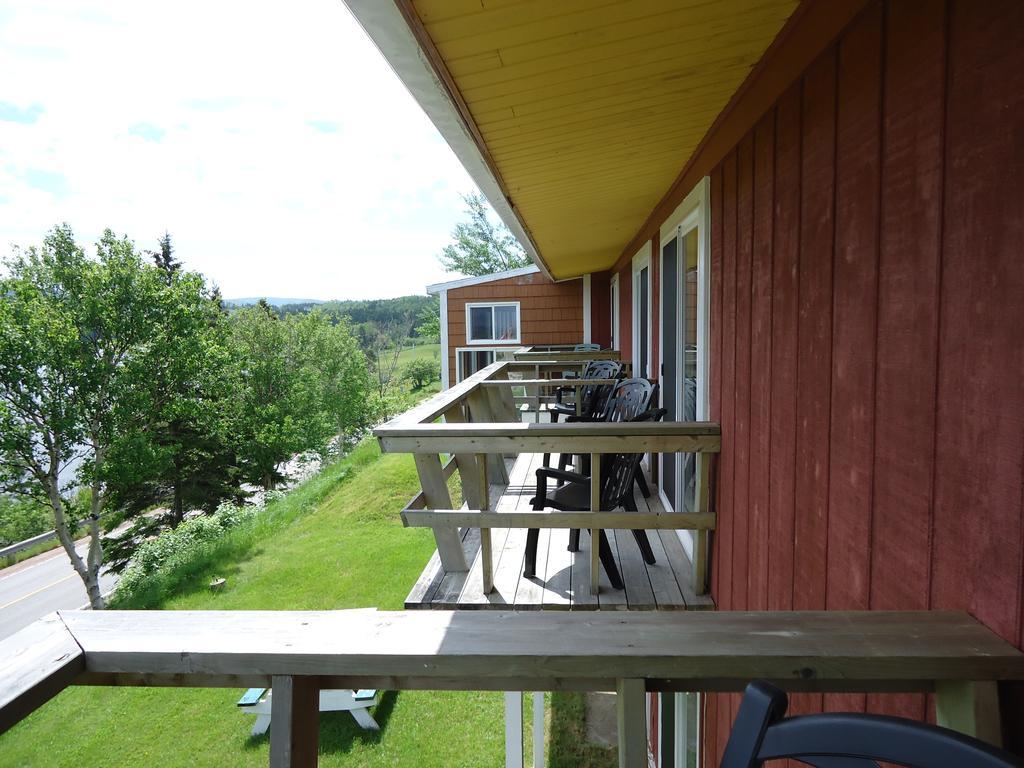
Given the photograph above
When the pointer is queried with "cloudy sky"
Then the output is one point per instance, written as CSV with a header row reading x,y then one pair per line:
x,y
269,138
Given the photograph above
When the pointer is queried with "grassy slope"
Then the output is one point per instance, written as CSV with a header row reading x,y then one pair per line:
x,y
424,351
337,543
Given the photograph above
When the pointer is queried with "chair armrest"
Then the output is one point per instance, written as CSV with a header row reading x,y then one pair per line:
x,y
561,391
584,419
562,474
543,473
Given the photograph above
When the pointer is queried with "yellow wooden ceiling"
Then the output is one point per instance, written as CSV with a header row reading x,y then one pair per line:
x,y
590,108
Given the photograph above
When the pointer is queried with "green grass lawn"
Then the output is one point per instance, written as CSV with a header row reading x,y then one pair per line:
x,y
335,542
421,351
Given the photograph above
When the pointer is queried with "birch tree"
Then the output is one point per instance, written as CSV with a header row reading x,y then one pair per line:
x,y
74,340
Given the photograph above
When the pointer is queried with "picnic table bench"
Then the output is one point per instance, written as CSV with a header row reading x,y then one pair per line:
x,y
258,701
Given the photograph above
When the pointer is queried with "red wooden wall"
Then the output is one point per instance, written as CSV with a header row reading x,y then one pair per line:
x,y
868,334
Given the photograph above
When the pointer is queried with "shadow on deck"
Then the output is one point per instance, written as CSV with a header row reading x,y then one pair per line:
x,y
563,577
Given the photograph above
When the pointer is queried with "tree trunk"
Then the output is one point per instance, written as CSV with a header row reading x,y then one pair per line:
x,y
268,481
178,513
88,573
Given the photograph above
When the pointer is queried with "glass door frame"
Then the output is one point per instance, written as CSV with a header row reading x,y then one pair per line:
x,y
693,213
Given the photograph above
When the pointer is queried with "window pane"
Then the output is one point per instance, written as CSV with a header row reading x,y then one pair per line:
x,y
481,325
505,323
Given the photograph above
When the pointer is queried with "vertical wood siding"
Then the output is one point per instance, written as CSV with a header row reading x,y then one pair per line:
x,y
867,347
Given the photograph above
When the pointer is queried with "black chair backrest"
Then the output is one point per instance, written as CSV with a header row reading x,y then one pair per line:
x,y
594,397
837,740
629,399
618,470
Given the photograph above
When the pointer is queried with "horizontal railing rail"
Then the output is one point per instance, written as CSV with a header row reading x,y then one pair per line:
x,y
298,653
564,353
478,421
432,518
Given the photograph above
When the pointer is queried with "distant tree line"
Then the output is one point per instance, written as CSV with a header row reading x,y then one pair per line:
x,y
125,386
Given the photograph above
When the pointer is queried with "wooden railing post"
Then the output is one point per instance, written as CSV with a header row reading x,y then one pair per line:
x,y
294,721
702,503
536,393
486,551
435,493
631,708
595,533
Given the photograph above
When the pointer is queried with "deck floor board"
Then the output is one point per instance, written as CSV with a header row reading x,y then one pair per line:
x,y
562,580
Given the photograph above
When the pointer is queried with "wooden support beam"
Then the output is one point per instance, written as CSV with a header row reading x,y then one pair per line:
x,y
595,533
435,491
294,722
970,707
419,501
469,477
480,411
631,707
702,499
503,401
676,521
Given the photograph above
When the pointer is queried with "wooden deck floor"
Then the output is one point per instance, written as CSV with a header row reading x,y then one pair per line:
x,y
563,577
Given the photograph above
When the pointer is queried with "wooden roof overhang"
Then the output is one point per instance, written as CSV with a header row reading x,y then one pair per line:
x,y
585,122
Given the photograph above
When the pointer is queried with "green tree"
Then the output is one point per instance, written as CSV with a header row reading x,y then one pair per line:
x,y
481,247
429,323
278,404
177,451
332,351
22,519
421,372
75,358
164,258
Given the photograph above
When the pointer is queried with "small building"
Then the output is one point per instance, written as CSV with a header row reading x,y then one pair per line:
x,y
486,318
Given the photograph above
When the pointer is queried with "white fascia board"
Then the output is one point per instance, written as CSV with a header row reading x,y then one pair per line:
x,y
466,281
445,373
386,27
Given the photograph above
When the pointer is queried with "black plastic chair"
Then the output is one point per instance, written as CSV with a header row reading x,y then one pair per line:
x,y
627,401
592,396
839,740
593,399
618,474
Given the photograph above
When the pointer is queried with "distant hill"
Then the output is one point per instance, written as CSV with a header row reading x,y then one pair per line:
x,y
274,301
368,317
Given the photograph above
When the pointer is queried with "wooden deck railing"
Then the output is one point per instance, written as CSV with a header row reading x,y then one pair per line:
x,y
481,425
299,653
563,353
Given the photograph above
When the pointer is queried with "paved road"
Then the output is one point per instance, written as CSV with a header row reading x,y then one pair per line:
x,y
40,585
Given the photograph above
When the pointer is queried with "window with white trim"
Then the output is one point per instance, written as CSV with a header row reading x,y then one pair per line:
x,y
495,323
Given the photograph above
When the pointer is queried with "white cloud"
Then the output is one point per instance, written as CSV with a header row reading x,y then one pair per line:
x,y
270,139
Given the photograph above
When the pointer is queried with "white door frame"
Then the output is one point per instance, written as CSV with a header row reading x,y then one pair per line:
x,y
613,288
641,260
693,212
